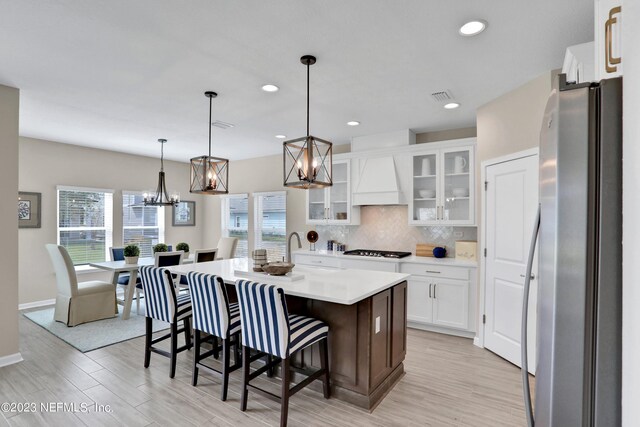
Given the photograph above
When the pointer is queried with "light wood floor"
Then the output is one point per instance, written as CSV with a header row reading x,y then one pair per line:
x,y
448,382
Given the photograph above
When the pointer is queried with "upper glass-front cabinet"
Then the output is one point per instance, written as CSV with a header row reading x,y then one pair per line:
x,y
332,205
443,187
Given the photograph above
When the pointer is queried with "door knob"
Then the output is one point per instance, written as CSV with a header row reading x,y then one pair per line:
x,y
533,276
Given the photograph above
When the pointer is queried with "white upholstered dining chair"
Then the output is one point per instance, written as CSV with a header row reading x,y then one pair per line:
x,y
82,302
227,247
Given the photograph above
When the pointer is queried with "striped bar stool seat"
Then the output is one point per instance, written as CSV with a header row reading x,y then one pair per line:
x,y
268,328
161,303
212,314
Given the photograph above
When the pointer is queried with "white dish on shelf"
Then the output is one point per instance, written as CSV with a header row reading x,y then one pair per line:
x,y
427,194
460,192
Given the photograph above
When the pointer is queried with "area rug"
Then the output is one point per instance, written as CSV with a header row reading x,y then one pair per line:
x,y
94,335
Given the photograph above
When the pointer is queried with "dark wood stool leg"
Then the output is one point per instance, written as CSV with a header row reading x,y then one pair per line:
x,y
147,341
324,365
187,331
271,370
196,357
225,368
284,402
214,341
236,349
245,377
174,349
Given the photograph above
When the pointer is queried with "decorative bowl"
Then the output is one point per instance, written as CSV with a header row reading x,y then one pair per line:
x,y
427,194
312,236
460,192
277,268
341,215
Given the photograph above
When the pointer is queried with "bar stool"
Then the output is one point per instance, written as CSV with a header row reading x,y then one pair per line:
x,y
162,304
213,315
269,328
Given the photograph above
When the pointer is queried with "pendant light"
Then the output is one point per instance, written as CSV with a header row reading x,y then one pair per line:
x,y
209,175
307,161
161,197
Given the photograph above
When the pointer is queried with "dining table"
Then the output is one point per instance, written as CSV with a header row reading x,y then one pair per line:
x,y
119,267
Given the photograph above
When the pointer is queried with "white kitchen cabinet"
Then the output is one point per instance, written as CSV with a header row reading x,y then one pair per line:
x,y
332,205
443,187
419,302
608,39
451,303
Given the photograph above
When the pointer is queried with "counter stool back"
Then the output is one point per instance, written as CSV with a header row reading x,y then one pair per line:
x,y
161,303
269,328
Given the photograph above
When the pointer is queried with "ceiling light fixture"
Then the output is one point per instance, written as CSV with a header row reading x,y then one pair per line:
x,y
473,28
307,161
161,198
209,175
353,123
281,136
270,88
451,105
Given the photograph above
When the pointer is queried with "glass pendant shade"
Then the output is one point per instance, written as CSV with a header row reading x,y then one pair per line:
x,y
307,163
160,197
209,175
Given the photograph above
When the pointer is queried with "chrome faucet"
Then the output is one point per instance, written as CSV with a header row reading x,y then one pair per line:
x,y
289,244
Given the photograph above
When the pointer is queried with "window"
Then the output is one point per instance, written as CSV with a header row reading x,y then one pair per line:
x,y
271,223
141,225
85,223
235,221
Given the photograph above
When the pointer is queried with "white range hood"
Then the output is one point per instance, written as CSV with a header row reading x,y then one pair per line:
x,y
378,178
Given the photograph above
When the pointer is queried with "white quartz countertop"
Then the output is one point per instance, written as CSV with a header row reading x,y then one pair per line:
x,y
410,259
347,286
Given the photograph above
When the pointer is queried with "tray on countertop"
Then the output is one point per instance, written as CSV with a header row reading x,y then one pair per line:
x,y
289,277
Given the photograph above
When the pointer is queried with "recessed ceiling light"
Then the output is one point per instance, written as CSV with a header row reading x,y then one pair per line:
x,y
353,123
473,28
270,88
281,136
451,105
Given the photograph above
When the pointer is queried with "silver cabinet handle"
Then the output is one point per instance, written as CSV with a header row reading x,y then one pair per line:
x,y
430,284
533,276
316,262
432,271
434,290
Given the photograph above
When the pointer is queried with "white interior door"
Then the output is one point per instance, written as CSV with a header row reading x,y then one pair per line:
x,y
511,206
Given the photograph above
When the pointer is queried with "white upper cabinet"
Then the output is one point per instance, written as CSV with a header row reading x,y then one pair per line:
x,y
332,205
443,187
608,38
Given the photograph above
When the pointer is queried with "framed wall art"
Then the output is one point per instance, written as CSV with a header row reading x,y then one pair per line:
x,y
184,214
29,209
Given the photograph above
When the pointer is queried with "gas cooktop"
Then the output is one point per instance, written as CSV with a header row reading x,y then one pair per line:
x,y
377,254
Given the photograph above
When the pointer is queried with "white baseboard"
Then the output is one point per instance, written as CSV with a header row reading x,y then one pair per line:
x,y
440,330
476,342
36,304
10,359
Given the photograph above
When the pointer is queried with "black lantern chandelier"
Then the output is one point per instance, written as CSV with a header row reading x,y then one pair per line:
x,y
161,197
209,175
307,161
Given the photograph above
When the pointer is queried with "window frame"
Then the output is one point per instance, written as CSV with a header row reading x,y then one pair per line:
x,y
259,216
225,214
160,215
108,219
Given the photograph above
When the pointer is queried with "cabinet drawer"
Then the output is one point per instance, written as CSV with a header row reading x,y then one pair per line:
x,y
441,271
368,265
318,261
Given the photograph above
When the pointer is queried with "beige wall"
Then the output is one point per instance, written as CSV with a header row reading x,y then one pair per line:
x,y
631,213
9,106
257,175
444,135
45,164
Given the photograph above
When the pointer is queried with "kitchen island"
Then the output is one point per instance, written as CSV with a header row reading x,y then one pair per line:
x,y
367,316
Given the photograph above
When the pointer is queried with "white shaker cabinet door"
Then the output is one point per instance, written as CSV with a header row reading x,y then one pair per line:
x,y
451,303
419,304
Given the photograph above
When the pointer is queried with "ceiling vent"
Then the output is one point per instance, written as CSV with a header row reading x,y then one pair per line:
x,y
222,125
442,97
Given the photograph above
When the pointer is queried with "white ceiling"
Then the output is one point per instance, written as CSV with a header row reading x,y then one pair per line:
x,y
119,74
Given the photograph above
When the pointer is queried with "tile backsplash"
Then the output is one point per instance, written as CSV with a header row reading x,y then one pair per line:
x,y
387,228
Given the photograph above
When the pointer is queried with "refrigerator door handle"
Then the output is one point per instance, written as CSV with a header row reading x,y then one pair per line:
x,y
525,311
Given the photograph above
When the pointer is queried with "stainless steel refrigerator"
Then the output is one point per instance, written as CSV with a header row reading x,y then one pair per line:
x,y
579,314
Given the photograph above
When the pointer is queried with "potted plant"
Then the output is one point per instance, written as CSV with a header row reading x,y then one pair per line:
x,y
131,254
182,246
160,247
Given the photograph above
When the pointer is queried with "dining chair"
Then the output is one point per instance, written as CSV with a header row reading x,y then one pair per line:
x,y
201,255
117,254
82,302
162,303
227,247
268,328
213,315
